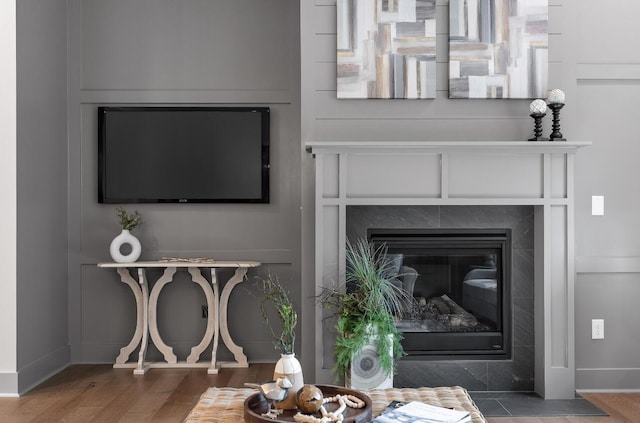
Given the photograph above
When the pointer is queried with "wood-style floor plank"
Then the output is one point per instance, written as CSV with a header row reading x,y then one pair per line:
x,y
99,393
185,396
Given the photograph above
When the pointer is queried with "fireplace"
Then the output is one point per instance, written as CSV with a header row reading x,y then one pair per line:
x,y
442,175
510,229
458,281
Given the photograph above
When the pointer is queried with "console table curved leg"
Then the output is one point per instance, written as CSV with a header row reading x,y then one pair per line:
x,y
142,367
238,353
215,315
126,351
196,276
147,313
165,349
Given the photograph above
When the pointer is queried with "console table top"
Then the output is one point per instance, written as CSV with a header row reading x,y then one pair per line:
x,y
183,263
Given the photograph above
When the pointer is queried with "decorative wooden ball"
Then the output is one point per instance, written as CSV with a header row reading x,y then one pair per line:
x,y
309,399
556,96
538,106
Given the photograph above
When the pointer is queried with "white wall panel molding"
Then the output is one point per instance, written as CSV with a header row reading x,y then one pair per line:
x,y
218,96
586,264
608,71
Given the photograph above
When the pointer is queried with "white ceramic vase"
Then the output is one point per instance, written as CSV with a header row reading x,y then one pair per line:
x,y
125,237
289,367
365,371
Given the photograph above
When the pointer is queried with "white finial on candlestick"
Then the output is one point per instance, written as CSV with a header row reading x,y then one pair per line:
x,y
538,106
556,96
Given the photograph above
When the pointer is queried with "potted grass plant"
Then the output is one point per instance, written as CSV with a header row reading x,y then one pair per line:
x,y
366,308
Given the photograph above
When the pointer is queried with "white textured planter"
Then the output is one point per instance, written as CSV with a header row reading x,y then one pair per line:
x,y
365,371
125,237
289,367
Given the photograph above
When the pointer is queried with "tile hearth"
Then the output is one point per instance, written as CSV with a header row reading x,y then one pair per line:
x,y
530,404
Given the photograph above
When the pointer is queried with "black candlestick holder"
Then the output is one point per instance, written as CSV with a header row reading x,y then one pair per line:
x,y
537,117
556,135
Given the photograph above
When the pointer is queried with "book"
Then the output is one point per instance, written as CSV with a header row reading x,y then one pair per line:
x,y
419,412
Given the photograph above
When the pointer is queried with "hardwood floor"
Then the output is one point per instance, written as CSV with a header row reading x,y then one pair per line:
x,y
99,393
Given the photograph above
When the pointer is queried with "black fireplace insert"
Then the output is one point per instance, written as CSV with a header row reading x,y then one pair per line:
x,y
458,281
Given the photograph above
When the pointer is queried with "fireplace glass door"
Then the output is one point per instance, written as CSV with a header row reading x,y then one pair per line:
x,y
457,285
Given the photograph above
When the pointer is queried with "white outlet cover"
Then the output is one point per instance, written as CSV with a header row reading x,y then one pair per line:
x,y
597,205
597,329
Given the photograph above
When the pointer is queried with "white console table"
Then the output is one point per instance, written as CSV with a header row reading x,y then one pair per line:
x,y
147,322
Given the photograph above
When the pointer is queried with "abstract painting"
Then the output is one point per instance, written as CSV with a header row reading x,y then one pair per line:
x,y
386,49
498,48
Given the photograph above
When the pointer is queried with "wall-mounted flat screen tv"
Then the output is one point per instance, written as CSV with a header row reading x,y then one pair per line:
x,y
183,154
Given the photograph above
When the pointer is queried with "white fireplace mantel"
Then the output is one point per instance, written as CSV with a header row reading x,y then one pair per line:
x,y
462,173
446,146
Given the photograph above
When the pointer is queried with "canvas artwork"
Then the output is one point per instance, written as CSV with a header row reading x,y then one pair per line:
x,y
498,48
386,49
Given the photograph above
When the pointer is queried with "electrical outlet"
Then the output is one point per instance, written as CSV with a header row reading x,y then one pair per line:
x,y
597,205
205,311
597,329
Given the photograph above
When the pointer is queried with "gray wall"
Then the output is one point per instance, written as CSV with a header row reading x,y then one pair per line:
x,y
42,337
608,89
197,53
591,63
247,52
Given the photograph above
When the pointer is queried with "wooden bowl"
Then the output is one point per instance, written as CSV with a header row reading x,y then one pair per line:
x,y
257,404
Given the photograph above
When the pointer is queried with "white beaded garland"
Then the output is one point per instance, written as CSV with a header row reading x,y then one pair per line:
x,y
335,416
555,96
538,106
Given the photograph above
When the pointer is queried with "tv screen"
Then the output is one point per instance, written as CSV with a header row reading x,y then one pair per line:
x,y
183,154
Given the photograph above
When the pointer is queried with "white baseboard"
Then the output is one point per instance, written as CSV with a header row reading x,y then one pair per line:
x,y
9,385
607,391
608,380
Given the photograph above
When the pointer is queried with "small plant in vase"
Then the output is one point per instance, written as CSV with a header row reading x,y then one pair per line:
x,y
275,295
128,222
366,309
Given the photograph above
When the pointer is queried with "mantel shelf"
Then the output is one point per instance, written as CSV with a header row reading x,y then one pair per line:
x,y
406,147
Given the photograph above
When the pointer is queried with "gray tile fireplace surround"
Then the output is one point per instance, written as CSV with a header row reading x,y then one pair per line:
x,y
516,374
